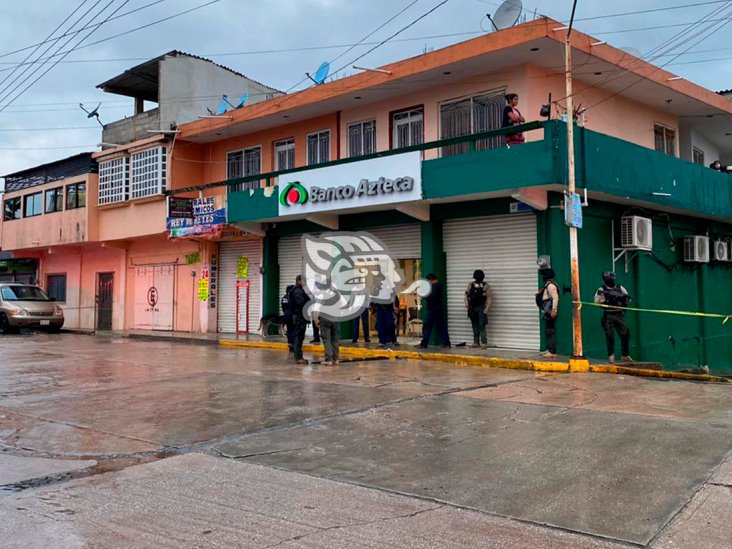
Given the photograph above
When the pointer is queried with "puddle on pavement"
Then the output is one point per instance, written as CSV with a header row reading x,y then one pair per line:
x,y
104,465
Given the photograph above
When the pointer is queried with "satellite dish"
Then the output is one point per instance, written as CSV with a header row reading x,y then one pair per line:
x,y
507,14
94,113
321,74
222,106
244,99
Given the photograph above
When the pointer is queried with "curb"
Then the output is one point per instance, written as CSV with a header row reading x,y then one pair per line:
x,y
492,362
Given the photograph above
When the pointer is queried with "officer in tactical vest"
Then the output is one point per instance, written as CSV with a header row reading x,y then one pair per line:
x,y
614,295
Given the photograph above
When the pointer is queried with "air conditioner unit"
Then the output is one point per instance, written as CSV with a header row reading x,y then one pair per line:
x,y
636,232
720,251
696,249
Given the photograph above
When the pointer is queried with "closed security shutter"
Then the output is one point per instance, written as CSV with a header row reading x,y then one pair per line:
x,y
504,247
229,253
290,259
404,241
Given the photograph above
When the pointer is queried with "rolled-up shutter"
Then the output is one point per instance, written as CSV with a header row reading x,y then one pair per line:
x,y
505,248
229,252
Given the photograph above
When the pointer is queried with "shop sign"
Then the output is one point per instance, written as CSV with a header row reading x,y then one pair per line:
x,y
213,278
180,208
374,182
242,267
206,216
203,285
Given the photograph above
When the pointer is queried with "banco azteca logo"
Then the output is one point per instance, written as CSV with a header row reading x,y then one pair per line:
x,y
293,193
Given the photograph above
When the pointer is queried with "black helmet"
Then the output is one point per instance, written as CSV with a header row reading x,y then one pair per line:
x,y
478,275
609,278
546,273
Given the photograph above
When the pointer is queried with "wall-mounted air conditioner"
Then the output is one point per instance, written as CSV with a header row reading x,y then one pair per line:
x,y
720,251
636,232
696,249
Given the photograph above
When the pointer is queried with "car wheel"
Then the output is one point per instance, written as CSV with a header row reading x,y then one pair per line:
x,y
5,327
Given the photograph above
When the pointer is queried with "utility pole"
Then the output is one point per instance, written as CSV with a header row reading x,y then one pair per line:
x,y
578,351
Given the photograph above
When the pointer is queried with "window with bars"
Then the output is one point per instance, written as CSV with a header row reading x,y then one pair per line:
x,y
698,156
408,128
665,139
75,196
55,200
242,164
318,147
114,179
56,287
362,138
149,172
284,154
12,209
33,204
475,114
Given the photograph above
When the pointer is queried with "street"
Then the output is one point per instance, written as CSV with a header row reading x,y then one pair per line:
x,y
110,441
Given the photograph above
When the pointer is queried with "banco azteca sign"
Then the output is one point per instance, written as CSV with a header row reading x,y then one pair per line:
x,y
371,182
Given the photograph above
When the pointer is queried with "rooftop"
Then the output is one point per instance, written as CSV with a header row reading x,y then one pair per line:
x,y
52,171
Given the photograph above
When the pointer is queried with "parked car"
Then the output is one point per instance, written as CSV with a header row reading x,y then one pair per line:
x,y
26,306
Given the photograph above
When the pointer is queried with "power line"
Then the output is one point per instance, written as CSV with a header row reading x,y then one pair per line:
x,y
83,28
92,31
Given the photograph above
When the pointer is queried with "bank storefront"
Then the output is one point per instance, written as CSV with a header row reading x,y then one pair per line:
x,y
385,197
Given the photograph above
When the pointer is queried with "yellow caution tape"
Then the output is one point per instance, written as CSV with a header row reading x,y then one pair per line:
x,y
725,318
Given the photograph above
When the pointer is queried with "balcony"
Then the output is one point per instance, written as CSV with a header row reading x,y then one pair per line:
x,y
607,167
131,129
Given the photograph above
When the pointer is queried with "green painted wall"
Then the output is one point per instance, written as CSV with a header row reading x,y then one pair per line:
x,y
660,282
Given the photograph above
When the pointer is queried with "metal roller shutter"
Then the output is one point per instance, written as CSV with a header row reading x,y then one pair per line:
x,y
404,241
505,248
229,252
290,259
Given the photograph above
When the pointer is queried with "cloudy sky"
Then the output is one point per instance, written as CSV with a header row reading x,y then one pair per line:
x,y
45,123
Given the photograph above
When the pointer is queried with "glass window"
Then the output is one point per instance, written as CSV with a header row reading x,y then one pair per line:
x,y
362,138
664,139
242,164
23,293
55,200
408,128
698,156
75,196
148,173
284,154
56,287
114,180
33,204
12,209
475,114
318,147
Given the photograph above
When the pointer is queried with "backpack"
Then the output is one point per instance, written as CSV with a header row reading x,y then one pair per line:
x,y
476,295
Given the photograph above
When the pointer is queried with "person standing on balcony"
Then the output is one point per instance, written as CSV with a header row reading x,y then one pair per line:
x,y
435,315
513,117
298,299
614,295
717,166
547,299
478,302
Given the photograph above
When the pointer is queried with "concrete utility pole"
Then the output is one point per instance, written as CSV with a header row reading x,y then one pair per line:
x,y
578,351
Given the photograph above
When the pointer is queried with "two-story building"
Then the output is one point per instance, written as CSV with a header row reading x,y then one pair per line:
x,y
644,139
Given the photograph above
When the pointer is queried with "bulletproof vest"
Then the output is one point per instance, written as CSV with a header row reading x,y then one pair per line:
x,y
615,296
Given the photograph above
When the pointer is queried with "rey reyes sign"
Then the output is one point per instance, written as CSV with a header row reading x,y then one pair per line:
x,y
374,182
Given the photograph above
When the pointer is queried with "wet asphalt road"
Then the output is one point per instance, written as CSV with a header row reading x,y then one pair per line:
x,y
355,455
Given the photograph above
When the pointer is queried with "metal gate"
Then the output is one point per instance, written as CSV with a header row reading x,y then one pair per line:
x,y
229,267
505,248
154,294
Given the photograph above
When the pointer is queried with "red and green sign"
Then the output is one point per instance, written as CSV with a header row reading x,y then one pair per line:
x,y
293,193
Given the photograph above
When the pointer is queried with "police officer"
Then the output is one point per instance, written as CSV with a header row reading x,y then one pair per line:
x,y
287,314
613,295
298,299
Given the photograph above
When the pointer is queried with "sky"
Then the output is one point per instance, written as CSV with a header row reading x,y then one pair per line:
x,y
237,33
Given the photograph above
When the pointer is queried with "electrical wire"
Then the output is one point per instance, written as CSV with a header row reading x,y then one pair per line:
x,y
92,31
